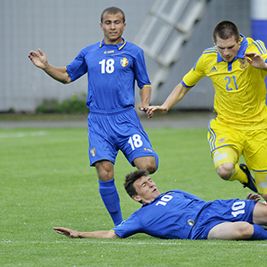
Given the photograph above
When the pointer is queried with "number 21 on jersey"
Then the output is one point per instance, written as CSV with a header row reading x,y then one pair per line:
x,y
231,83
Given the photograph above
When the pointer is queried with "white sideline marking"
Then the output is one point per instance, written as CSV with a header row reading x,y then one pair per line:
x,y
91,241
23,134
133,243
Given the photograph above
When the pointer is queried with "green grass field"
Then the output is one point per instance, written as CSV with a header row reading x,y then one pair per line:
x,y
46,181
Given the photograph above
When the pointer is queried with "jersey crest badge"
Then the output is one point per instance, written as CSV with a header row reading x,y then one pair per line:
x,y
93,152
243,63
190,222
124,62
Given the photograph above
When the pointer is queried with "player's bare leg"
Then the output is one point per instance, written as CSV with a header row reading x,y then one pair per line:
x,y
231,231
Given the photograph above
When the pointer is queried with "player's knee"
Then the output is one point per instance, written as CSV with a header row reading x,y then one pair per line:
x,y
151,168
105,171
150,164
105,175
244,230
153,165
225,171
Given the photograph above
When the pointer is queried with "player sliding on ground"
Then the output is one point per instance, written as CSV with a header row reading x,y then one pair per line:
x,y
180,215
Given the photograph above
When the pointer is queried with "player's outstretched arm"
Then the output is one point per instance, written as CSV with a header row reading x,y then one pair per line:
x,y
77,234
39,59
175,96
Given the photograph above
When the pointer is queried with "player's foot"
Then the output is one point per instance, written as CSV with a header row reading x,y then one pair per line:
x,y
251,181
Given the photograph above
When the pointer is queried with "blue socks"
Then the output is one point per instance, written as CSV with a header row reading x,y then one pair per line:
x,y
259,233
110,197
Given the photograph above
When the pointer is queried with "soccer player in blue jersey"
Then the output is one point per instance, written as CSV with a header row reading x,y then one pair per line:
x,y
237,67
113,65
180,215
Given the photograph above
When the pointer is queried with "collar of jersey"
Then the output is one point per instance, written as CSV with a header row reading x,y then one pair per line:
x,y
119,45
241,51
160,195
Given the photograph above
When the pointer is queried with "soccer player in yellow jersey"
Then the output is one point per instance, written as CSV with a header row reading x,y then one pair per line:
x,y
237,67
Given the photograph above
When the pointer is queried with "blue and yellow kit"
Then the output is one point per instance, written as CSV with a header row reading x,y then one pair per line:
x,y
239,103
240,91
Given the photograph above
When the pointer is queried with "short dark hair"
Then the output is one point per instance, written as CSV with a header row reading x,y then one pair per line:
x,y
131,178
112,10
226,29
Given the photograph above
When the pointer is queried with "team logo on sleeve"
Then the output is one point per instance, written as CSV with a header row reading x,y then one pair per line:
x,y
124,62
213,69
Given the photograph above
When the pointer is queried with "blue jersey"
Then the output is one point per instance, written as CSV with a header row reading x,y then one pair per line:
x,y
179,215
112,71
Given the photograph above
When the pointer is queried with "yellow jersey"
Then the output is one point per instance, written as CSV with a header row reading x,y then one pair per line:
x,y
240,90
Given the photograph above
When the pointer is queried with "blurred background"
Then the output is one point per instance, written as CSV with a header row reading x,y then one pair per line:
x,y
172,33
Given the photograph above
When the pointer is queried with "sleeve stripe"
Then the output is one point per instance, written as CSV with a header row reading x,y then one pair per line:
x,y
210,50
259,44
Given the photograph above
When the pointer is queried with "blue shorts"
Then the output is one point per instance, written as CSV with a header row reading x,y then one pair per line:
x,y
221,211
109,133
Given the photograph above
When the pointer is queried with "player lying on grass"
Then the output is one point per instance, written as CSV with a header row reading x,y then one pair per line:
x,y
180,215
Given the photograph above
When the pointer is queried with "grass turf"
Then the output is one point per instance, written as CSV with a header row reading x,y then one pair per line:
x,y
46,181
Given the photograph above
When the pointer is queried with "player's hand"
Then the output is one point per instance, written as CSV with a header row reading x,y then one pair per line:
x,y
67,232
256,60
151,109
143,108
38,58
253,196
